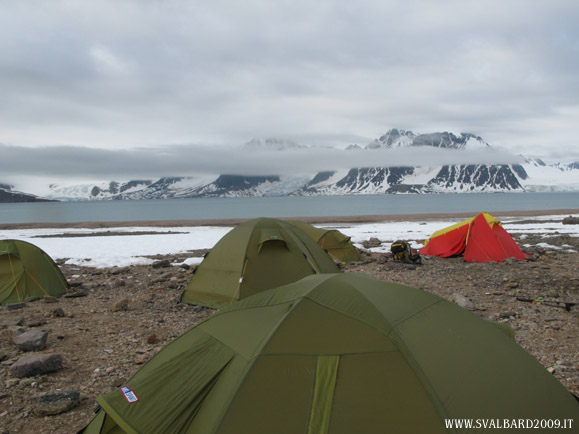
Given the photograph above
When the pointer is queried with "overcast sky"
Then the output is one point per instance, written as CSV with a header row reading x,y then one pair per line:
x,y
108,76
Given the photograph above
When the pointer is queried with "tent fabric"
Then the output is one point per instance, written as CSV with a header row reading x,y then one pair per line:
x,y
479,239
27,271
333,241
257,255
324,388
337,354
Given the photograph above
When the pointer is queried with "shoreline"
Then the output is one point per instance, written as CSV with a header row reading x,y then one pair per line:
x,y
313,220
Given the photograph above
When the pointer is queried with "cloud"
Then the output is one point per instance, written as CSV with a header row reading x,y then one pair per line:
x,y
108,63
181,160
131,73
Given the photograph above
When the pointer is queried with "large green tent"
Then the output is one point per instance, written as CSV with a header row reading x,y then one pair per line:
x,y
259,254
335,354
333,241
27,271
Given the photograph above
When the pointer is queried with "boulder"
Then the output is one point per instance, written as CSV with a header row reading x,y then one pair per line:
x,y
36,364
33,340
35,321
55,403
571,220
372,242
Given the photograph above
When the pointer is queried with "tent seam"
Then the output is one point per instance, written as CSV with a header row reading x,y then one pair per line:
x,y
417,367
250,365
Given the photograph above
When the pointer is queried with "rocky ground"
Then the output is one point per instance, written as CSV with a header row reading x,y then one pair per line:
x,y
125,315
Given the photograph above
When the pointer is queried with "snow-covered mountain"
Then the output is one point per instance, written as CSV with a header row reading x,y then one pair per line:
x,y
94,191
8,194
399,138
531,175
555,177
445,178
442,179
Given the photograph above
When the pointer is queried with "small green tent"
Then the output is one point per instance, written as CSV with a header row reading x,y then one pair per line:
x,y
27,271
259,254
335,354
333,241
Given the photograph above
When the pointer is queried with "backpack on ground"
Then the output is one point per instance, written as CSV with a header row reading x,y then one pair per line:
x,y
402,252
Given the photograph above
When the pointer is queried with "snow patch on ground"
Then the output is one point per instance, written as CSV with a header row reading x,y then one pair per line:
x,y
103,251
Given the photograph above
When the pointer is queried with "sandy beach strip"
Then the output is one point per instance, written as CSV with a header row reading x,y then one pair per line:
x,y
313,220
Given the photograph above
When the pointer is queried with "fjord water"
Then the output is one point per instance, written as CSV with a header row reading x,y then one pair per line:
x,y
292,206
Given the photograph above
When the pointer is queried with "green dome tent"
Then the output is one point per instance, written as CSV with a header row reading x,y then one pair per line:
x,y
333,241
259,254
27,271
334,354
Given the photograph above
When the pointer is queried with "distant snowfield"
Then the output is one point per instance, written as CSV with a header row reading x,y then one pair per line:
x,y
133,248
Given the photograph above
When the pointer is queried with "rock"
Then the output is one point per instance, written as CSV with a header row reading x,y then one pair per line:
x,y
18,331
382,259
139,359
8,322
372,242
36,364
165,263
571,220
35,321
512,285
12,383
462,301
33,340
560,369
120,305
31,299
152,339
75,294
50,299
57,313
15,306
55,403
504,315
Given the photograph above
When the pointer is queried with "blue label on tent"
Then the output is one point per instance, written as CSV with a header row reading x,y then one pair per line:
x,y
129,394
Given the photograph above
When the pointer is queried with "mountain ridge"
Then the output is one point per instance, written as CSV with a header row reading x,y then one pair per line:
x,y
531,175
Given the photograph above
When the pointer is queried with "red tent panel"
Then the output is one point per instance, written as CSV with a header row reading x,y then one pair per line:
x,y
482,244
451,243
490,244
510,247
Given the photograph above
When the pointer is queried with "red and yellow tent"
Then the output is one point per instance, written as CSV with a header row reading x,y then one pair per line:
x,y
479,239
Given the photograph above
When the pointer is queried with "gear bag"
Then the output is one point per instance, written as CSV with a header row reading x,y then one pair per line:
x,y
401,251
